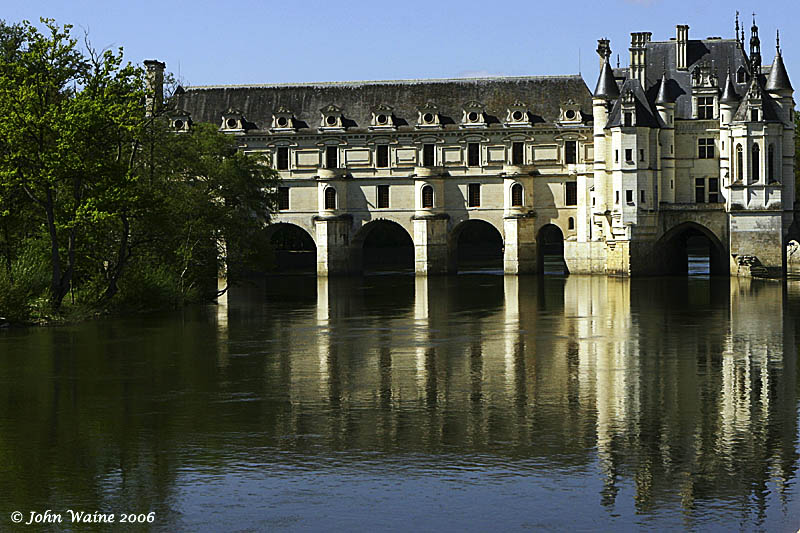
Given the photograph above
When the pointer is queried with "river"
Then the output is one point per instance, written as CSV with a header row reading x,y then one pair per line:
x,y
475,402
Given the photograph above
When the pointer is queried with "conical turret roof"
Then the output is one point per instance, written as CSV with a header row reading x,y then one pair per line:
x,y
778,78
729,95
664,94
606,84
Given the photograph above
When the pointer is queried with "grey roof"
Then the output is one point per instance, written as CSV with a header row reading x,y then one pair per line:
x,y
778,78
665,95
645,115
544,96
756,92
729,94
720,54
606,84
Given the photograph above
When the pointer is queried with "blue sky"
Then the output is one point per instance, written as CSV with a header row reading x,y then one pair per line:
x,y
296,41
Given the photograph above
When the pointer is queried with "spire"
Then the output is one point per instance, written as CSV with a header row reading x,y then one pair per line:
x,y
736,31
755,48
729,95
606,85
778,78
664,96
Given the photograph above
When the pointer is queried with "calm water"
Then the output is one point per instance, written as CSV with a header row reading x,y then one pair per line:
x,y
476,402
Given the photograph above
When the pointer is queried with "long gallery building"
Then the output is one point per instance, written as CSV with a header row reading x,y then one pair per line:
x,y
694,139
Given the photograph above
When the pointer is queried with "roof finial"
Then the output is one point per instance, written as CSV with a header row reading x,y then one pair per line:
x,y
736,31
778,41
617,60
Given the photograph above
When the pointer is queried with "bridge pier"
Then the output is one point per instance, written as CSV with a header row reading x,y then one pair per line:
x,y
333,245
519,254
430,244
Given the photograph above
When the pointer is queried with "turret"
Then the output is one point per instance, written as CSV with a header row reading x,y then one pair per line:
x,y
665,102
728,102
665,105
778,83
755,49
605,93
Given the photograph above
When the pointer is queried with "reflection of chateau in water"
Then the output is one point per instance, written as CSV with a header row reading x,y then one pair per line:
x,y
687,406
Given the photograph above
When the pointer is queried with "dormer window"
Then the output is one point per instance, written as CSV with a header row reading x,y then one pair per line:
x,y
705,107
754,115
428,116
283,119
382,118
331,118
628,121
570,112
473,115
180,121
518,115
741,75
232,120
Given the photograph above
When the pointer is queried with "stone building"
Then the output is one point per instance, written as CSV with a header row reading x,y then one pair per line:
x,y
694,139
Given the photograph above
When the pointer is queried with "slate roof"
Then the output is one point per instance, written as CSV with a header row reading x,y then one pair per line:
x,y
756,92
606,84
645,114
778,78
543,95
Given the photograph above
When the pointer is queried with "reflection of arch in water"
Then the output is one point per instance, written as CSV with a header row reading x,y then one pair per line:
x,y
691,248
383,245
550,250
293,247
475,244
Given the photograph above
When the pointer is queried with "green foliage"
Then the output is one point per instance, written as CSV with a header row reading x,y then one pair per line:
x,y
105,195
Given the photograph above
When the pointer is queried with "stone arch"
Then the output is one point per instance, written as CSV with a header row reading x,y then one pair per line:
x,y
550,250
675,244
475,244
382,245
293,247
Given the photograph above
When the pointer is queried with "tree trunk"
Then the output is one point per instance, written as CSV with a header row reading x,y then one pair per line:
x,y
55,257
123,254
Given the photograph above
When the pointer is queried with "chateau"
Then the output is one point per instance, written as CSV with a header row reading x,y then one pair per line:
x,y
695,138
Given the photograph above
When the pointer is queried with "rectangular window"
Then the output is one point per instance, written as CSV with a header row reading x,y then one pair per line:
x,y
616,198
754,115
473,154
616,156
283,198
282,158
628,120
571,152
700,190
705,107
427,155
705,148
383,196
332,157
641,197
517,153
571,193
382,156
629,155
713,190
629,196
641,154
474,195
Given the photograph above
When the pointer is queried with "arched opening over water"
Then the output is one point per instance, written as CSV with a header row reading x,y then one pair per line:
x,y
384,246
293,248
694,250
476,245
550,251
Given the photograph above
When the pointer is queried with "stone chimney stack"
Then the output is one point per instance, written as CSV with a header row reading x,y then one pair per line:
x,y
154,97
638,50
603,50
682,46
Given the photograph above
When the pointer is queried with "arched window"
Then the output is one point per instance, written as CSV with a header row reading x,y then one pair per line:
x,y
516,195
755,163
771,163
739,163
330,198
571,223
427,197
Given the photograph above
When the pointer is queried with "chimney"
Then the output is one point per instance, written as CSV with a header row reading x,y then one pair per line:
x,y
682,45
603,50
154,97
638,49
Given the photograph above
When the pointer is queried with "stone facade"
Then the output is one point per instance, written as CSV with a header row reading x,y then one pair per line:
x,y
694,137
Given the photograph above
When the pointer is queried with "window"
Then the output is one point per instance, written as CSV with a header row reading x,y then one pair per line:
x,y
754,115
616,156
473,154
517,153
282,159
629,196
700,190
571,193
771,163
739,162
713,190
641,196
331,157
383,196
705,107
571,152
628,120
756,163
427,155
616,198
427,197
474,195
283,198
382,156
741,76
570,223
705,148
629,155
516,195
641,154
330,198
